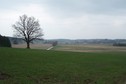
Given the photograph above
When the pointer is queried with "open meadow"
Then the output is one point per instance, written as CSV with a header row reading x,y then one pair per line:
x,y
76,47
90,48
31,66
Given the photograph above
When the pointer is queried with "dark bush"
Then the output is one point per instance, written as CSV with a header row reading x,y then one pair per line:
x,y
119,44
55,43
4,41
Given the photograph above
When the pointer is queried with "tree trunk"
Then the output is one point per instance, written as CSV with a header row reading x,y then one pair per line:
x,y
28,45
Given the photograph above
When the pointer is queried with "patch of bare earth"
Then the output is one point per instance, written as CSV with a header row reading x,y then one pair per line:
x,y
46,80
33,46
4,76
120,80
52,80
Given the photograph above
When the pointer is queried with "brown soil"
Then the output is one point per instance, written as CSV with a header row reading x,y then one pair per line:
x,y
4,76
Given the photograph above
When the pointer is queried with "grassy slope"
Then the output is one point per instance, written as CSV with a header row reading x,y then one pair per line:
x,y
55,67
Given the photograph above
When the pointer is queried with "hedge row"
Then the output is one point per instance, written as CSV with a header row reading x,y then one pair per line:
x,y
4,41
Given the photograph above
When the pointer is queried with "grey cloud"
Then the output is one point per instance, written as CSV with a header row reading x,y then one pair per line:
x,y
76,18
78,7
74,7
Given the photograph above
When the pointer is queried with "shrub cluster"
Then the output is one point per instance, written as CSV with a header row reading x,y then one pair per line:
x,y
55,43
119,44
4,41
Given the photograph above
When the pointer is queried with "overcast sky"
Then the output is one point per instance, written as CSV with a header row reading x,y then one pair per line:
x,y
68,19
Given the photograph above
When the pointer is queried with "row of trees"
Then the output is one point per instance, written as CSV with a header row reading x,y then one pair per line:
x,y
119,44
4,41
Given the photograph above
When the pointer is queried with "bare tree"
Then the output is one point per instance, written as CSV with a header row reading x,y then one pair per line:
x,y
27,28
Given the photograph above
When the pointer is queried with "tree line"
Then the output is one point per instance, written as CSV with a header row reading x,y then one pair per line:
x,y
4,41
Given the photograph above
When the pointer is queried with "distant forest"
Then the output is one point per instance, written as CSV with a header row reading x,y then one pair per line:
x,y
114,42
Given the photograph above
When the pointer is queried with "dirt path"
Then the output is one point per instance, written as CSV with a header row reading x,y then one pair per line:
x,y
49,48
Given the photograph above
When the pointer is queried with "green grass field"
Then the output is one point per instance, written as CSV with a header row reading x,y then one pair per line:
x,y
23,66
